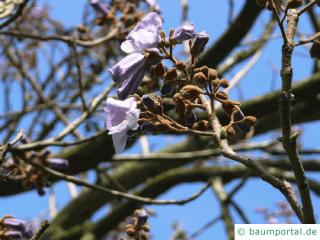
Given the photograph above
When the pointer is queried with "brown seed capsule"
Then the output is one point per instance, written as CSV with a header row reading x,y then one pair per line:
x,y
200,78
230,131
191,92
131,232
160,70
294,3
250,121
171,74
222,95
230,106
215,83
261,3
201,125
224,83
205,70
181,65
212,74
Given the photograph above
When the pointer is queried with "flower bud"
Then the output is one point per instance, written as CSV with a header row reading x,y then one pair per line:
x,y
200,78
212,74
224,83
184,33
250,121
201,125
191,92
199,43
230,131
151,104
13,223
222,95
142,217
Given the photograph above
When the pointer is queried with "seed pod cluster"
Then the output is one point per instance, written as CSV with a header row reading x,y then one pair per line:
x,y
138,228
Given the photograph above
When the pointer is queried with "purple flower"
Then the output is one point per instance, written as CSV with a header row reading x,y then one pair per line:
x,y
130,72
142,217
153,4
100,7
183,33
58,163
199,44
141,42
121,116
14,224
146,34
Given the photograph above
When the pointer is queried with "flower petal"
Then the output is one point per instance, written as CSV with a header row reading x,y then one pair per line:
x,y
119,141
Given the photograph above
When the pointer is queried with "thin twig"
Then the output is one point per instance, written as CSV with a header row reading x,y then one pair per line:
x,y
43,228
116,193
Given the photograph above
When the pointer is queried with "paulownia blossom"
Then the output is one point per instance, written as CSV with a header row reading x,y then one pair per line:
x,y
141,40
121,116
183,33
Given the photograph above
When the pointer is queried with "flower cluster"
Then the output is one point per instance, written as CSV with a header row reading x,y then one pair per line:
x,y
12,228
15,168
138,228
121,13
185,85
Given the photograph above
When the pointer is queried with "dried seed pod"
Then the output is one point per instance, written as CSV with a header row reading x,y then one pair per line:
x,y
160,70
230,106
212,74
181,66
204,69
200,78
243,127
294,3
215,83
152,104
201,125
221,95
224,83
230,131
191,92
171,74
250,121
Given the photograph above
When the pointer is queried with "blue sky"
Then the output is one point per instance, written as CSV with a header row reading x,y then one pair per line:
x,y
211,16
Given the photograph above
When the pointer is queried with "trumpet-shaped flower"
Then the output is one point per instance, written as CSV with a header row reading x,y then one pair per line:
x,y
121,116
146,34
140,42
